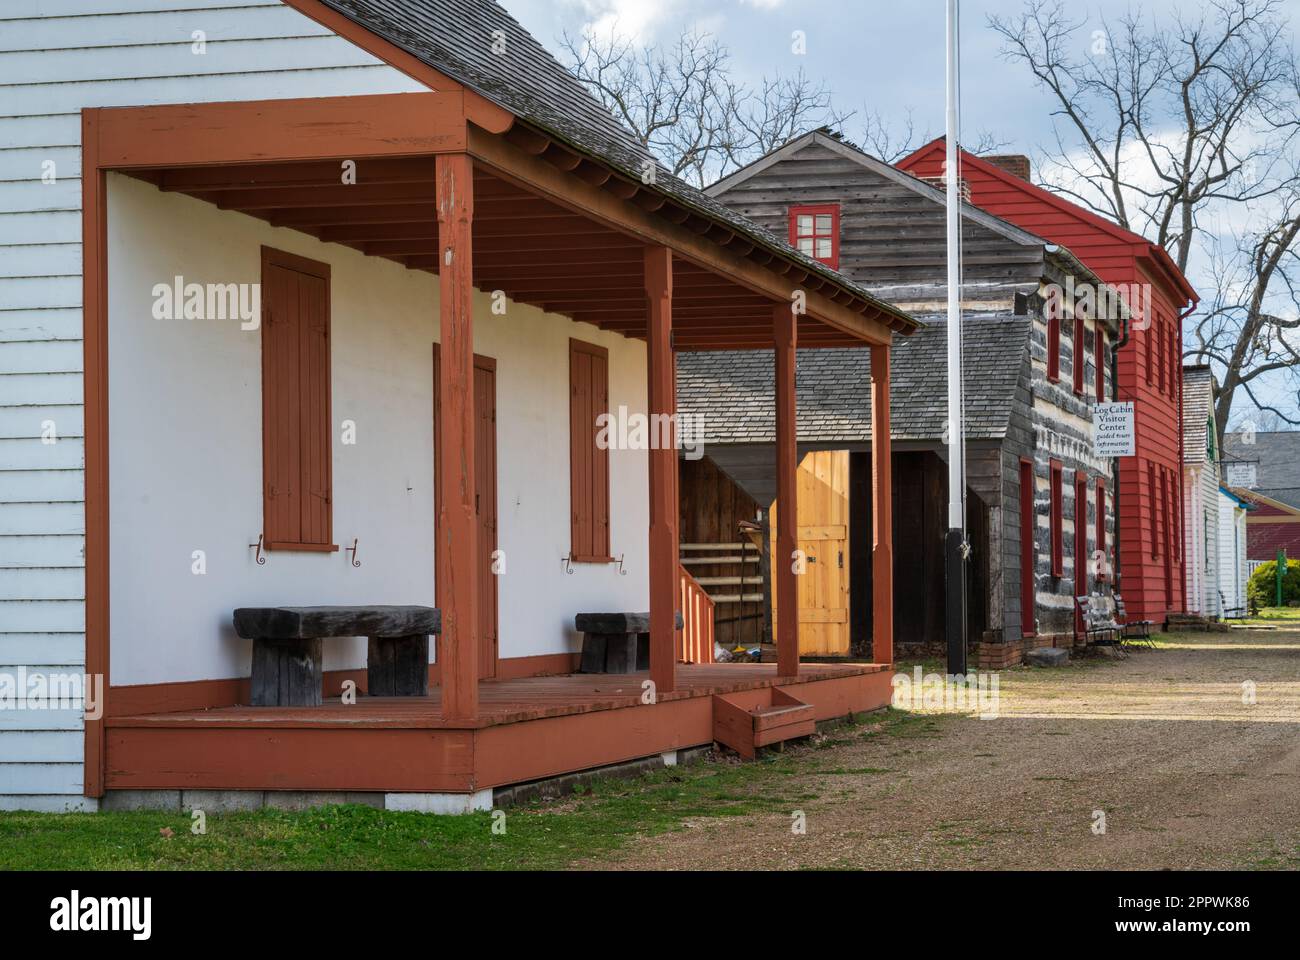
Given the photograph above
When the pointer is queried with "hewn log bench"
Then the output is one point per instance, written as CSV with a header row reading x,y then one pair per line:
x,y
615,642
288,641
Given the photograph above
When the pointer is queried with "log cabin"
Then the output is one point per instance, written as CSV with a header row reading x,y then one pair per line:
x,y
1038,505
417,265
1150,570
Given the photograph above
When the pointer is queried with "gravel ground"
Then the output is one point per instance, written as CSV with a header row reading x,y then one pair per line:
x,y
1187,774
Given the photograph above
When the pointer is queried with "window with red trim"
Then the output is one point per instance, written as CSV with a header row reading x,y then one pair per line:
x,y
588,457
1099,358
1058,534
1100,535
1053,342
1155,511
1079,354
815,230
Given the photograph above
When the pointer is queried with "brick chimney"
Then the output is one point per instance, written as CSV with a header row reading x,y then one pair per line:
x,y
1016,164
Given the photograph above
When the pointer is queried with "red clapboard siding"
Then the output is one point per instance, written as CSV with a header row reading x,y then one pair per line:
x,y
297,483
588,462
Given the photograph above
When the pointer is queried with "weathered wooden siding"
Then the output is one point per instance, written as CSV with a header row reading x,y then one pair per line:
x,y
55,59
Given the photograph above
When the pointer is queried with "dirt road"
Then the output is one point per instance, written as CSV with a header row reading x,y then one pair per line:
x,y
1187,773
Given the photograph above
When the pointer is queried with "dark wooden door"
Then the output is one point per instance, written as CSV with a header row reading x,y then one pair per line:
x,y
485,499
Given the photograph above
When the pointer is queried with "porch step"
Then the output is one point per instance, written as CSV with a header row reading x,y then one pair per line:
x,y
746,728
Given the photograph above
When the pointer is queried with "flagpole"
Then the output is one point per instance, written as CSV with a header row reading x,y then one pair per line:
x,y
955,547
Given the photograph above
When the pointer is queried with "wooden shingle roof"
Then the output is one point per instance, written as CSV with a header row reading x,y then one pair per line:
x,y
732,391
1198,408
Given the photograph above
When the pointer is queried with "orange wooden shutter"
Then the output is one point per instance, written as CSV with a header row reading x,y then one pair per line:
x,y
588,462
297,482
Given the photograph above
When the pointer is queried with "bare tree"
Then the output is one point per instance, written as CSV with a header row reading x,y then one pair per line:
x,y
684,104
1170,131
1250,327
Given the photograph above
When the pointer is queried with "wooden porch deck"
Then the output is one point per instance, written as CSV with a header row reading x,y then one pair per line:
x,y
528,729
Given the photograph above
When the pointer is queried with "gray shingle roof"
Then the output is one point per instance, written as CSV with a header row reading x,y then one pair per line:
x,y
456,38
1279,462
1198,406
733,390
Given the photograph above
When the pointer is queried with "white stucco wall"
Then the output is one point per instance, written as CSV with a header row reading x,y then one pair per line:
x,y
185,451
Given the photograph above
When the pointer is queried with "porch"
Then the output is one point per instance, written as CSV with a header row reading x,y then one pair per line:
x,y
526,729
373,194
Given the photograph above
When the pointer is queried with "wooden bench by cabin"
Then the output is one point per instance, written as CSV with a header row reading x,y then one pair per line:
x,y
616,642
288,642
1132,629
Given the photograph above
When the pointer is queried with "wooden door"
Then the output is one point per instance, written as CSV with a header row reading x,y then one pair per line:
x,y
823,492
485,499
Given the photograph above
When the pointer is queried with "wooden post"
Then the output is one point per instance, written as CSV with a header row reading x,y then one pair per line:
x,y
882,521
457,549
787,509
663,470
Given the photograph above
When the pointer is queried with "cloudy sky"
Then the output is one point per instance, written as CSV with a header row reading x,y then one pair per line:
x,y
886,56
882,57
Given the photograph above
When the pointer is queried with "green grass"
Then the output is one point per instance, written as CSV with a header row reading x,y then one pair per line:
x,y
1276,613
606,815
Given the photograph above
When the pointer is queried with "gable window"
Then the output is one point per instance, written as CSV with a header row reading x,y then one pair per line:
x,y
588,458
815,231
1057,522
297,495
1079,354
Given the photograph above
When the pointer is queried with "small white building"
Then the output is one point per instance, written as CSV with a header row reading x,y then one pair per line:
x,y
1200,492
1234,566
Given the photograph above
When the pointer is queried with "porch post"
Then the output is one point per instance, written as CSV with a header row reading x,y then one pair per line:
x,y
787,510
457,549
663,469
882,521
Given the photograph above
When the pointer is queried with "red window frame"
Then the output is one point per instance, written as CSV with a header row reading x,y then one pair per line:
x,y
1098,353
1155,511
1054,344
1080,532
815,210
1079,354
1057,521
1100,534
1028,551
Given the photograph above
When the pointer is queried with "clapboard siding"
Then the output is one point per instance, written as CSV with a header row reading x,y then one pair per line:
x,y
56,58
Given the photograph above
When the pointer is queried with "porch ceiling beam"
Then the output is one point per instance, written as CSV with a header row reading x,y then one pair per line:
x,y
315,128
421,230
341,216
536,175
323,173
270,198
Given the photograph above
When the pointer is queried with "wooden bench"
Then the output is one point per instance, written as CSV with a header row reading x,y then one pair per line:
x,y
288,642
615,642
1231,613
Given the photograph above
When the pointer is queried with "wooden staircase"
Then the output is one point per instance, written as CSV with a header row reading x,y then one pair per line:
x,y
746,728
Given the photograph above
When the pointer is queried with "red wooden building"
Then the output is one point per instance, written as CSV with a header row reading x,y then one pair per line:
x,y
1149,356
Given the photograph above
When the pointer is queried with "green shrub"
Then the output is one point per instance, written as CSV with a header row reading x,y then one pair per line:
x,y
1262,589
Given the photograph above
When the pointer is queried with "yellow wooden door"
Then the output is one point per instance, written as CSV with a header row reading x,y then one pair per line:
x,y
823,490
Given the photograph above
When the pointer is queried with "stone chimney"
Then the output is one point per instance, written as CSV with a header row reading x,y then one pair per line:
x,y
1016,164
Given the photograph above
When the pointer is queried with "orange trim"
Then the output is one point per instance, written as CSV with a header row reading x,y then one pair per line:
x,y
94,279
882,520
259,131
147,698
784,335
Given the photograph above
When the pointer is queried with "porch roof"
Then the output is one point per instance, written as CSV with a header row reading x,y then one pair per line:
x,y
456,38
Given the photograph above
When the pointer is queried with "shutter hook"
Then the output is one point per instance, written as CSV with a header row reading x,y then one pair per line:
x,y
261,560
353,550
